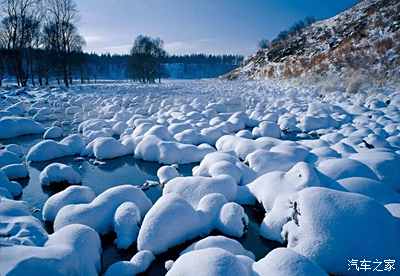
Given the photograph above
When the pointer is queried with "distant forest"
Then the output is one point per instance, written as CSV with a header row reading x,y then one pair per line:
x,y
40,44
193,66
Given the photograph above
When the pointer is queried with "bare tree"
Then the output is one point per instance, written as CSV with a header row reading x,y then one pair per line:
x,y
62,34
19,28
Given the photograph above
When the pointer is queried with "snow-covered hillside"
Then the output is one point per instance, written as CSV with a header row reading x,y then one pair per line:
x,y
362,42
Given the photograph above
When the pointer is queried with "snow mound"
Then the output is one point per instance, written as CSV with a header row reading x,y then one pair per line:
x,y
138,264
267,129
99,214
109,148
194,188
18,226
14,189
340,168
53,133
285,261
152,148
59,173
372,188
269,186
241,147
73,250
17,126
230,245
8,158
50,149
383,163
313,222
15,171
127,221
219,163
172,221
166,173
209,262
71,195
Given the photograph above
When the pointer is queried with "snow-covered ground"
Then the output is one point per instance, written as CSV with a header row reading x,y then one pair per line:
x,y
227,170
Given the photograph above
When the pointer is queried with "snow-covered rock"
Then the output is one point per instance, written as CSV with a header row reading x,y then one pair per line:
x,y
18,226
269,186
59,173
138,264
15,171
152,148
50,149
99,213
285,261
172,220
13,188
383,163
73,250
71,195
127,221
166,173
313,222
53,133
194,188
17,126
267,129
109,148
231,245
209,262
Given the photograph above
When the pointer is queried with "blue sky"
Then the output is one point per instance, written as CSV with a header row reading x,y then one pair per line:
x,y
192,26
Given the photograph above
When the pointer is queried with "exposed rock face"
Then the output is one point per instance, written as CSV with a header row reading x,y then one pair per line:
x,y
364,39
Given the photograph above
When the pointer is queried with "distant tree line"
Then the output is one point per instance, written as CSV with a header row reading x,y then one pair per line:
x,y
40,43
39,39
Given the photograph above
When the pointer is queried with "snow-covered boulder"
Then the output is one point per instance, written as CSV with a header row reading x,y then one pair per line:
x,y
339,168
231,245
242,147
139,263
99,214
314,122
267,129
8,158
15,171
50,149
285,261
264,161
53,133
18,226
13,188
269,186
210,262
316,223
71,195
166,173
56,173
172,220
109,148
383,163
73,250
17,126
127,221
152,148
218,261
219,163
194,188
372,188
